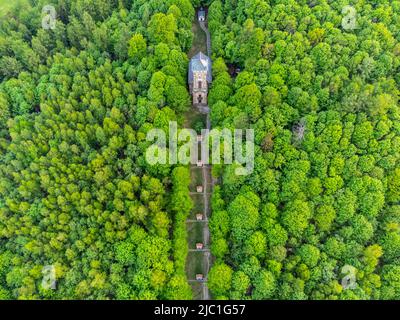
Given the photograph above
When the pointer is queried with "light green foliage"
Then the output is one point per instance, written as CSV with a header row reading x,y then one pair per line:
x,y
220,279
162,28
76,192
264,286
323,102
137,47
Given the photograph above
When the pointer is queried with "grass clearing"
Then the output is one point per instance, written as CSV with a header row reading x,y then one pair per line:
x,y
198,205
195,264
194,120
195,234
196,175
197,289
199,40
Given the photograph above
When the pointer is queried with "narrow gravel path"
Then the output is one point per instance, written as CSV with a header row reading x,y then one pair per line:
x,y
203,26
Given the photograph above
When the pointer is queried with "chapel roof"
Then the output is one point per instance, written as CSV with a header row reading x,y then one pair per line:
x,y
200,62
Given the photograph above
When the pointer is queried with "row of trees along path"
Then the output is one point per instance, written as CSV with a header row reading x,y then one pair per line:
x,y
199,258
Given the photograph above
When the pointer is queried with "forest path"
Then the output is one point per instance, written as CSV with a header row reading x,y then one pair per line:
x,y
204,27
199,259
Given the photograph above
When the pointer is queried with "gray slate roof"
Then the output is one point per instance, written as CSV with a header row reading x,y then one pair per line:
x,y
200,62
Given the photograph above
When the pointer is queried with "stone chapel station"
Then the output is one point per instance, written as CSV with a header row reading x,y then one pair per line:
x,y
199,78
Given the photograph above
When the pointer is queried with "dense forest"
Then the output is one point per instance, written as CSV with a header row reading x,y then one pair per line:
x,y
319,218
322,204
76,193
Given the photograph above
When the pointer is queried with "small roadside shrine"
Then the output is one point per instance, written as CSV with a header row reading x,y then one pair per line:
x,y
199,277
201,15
